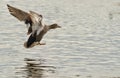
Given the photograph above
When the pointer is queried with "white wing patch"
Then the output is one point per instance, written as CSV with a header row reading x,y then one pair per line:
x,y
37,23
39,30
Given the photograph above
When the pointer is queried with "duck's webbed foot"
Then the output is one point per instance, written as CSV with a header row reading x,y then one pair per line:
x,y
42,43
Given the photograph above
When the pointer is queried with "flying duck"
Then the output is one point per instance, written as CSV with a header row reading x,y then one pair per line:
x,y
36,28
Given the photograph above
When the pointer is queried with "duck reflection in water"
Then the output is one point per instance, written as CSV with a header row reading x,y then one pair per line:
x,y
35,69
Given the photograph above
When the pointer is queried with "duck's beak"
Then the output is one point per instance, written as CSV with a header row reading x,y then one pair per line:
x,y
59,27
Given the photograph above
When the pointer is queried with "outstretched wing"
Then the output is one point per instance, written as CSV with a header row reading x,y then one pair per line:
x,y
19,14
22,16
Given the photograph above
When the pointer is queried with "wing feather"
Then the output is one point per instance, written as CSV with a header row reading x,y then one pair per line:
x,y
19,14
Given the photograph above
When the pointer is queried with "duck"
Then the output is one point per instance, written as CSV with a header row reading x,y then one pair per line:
x,y
36,28
35,40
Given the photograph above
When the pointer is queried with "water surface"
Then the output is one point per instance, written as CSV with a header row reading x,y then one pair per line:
x,y
87,45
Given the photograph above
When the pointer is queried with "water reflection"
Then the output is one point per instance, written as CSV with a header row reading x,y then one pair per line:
x,y
34,68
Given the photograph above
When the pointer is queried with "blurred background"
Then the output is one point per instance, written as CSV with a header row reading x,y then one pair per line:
x,y
87,45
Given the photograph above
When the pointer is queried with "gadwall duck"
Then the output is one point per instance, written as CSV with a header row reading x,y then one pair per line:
x,y
36,28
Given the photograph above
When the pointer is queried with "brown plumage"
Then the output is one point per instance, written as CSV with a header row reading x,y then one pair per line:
x,y
36,28
35,40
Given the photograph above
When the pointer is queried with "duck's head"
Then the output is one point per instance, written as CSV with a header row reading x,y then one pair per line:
x,y
54,26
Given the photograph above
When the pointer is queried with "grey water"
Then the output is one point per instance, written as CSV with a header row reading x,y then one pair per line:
x,y
87,45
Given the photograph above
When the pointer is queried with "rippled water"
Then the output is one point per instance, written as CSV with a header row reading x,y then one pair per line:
x,y
87,45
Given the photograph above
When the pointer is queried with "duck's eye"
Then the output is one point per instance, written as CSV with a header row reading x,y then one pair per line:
x,y
40,15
